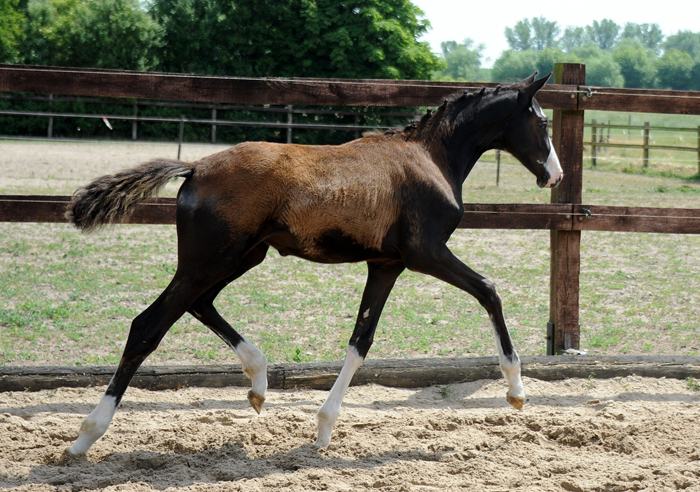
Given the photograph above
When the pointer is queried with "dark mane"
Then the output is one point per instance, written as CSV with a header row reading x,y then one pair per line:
x,y
440,122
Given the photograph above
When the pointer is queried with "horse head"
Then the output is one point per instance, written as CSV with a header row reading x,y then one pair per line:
x,y
526,136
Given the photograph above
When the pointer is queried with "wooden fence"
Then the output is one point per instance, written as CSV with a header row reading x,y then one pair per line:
x,y
288,111
600,141
566,216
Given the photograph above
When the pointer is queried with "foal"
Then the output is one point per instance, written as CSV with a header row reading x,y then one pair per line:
x,y
391,200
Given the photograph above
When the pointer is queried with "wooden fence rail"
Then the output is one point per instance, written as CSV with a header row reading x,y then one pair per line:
x,y
565,217
135,118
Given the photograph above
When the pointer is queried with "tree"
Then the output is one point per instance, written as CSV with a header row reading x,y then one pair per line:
x,y
463,60
93,33
545,33
114,34
637,65
648,35
603,33
513,65
11,23
686,41
601,68
675,69
537,33
573,37
695,77
519,37
311,38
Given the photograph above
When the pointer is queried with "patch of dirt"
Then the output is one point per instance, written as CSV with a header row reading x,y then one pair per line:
x,y
59,167
628,433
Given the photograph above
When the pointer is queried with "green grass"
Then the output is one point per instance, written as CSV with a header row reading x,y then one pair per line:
x,y
692,383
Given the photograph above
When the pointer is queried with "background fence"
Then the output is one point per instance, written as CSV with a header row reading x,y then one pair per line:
x,y
24,108
600,139
566,216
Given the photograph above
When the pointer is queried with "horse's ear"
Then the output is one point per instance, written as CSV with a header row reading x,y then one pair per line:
x,y
529,91
529,80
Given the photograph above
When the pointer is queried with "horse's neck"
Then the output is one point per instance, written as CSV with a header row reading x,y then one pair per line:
x,y
467,148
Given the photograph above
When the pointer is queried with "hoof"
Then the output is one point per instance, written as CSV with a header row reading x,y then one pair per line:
x,y
256,401
516,402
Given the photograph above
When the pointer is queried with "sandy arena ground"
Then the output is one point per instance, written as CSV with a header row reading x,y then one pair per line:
x,y
575,435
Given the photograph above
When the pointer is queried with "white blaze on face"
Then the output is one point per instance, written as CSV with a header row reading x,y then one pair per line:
x,y
553,167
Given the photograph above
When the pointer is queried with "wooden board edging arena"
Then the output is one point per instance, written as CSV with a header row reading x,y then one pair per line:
x,y
405,373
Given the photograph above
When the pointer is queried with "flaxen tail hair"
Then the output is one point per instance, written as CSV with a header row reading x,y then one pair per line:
x,y
112,199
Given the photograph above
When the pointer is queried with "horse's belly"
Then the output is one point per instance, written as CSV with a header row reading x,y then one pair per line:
x,y
331,246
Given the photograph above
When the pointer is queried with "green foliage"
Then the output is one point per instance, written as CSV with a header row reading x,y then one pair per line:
x,y
637,65
648,35
686,41
573,37
95,33
537,34
11,23
549,56
603,33
323,38
545,33
695,77
463,60
601,68
675,69
519,37
513,65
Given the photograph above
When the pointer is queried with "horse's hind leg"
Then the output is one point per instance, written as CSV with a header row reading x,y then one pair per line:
x,y
147,330
253,360
380,281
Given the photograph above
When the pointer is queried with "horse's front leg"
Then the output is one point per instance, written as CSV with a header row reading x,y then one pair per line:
x,y
380,281
440,263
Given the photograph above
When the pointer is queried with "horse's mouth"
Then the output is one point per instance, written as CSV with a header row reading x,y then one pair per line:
x,y
546,181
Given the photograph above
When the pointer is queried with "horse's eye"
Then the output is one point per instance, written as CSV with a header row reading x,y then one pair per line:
x,y
543,123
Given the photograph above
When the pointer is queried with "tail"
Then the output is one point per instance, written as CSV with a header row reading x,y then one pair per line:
x,y
112,199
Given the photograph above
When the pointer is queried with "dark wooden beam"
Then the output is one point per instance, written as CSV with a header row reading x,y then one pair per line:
x,y
402,373
39,208
637,219
269,90
640,100
517,216
544,216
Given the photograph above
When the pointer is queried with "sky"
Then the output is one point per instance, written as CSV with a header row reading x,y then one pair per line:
x,y
484,21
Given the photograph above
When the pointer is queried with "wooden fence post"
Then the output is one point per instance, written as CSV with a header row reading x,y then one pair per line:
x,y
594,141
49,132
565,266
289,122
213,126
699,149
134,123
645,150
498,167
